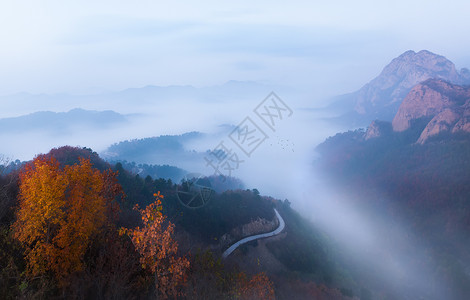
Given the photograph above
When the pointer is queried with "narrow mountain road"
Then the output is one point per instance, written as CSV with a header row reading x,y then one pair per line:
x,y
278,230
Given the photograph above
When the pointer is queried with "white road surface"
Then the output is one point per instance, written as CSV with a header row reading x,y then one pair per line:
x,y
257,236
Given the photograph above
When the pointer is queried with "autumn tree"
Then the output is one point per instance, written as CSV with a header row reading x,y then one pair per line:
x,y
158,250
259,286
60,211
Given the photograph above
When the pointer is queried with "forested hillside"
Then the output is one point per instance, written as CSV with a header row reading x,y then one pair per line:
x,y
423,185
74,226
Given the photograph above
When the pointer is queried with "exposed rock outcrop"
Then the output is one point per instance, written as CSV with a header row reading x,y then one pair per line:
x,y
376,129
443,121
448,106
381,97
425,99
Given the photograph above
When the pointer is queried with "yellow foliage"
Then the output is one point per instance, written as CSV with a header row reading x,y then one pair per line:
x,y
60,210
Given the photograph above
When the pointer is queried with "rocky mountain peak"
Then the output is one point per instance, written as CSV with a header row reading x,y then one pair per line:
x,y
411,68
382,96
447,106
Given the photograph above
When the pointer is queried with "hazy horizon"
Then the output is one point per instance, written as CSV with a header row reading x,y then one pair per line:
x,y
323,49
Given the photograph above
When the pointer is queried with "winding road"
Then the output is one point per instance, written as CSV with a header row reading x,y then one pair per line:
x,y
278,230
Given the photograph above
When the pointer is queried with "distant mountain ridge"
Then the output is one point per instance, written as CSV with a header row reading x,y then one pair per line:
x,y
381,97
126,100
61,121
161,150
186,151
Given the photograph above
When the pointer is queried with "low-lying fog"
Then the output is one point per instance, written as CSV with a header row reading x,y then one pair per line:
x,y
280,167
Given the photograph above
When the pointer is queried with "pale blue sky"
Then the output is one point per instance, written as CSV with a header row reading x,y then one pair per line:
x,y
326,47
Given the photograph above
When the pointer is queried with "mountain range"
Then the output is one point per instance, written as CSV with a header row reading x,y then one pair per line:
x,y
394,169
61,122
412,166
382,96
441,107
134,100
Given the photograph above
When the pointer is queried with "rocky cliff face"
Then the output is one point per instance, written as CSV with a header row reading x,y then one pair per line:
x,y
376,129
442,122
448,106
381,97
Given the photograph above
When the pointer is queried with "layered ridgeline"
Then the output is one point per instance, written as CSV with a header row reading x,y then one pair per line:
x,y
166,148
165,156
415,171
55,123
381,97
184,152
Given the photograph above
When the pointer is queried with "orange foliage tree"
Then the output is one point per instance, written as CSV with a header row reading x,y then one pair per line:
x,y
60,210
257,287
158,250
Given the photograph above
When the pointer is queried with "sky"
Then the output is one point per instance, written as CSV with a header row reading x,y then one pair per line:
x,y
323,47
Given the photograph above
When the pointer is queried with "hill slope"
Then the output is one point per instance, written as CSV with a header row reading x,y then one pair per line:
x,y
424,186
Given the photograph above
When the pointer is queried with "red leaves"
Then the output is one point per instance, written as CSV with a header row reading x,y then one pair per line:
x,y
158,249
